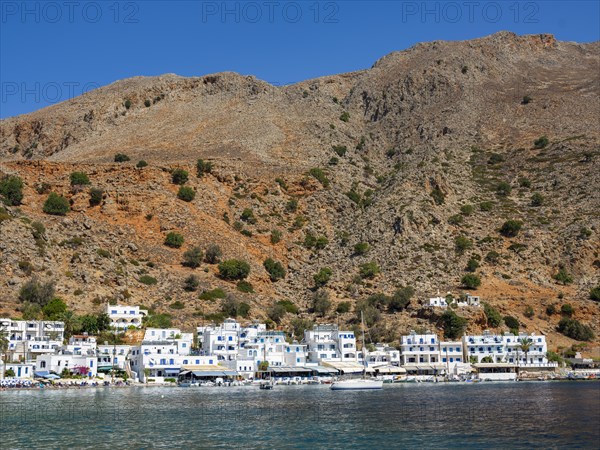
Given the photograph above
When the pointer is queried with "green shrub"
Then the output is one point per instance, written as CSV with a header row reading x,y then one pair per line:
x,y
343,308
186,193
512,322
174,240
103,253
503,189
36,292
11,188
193,257
141,164
322,277
525,182
486,206
121,157
495,158
595,294
333,161
158,321
575,329
232,307
213,254
79,179
511,228
274,269
401,299
340,150
321,242
492,257
354,196
213,294
244,286
551,310
494,319
567,310
147,103
177,305
96,195
234,269
321,303
454,325
275,236
462,243
56,205
562,276
537,199
191,283
471,281
369,270
526,100
584,233
147,280
289,306
276,312
541,142
291,205
320,176
467,210
179,176
345,117
361,248
203,167
529,312
438,196
456,219
248,216
472,265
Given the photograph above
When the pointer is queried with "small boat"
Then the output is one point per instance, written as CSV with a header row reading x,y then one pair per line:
x,y
363,383
266,386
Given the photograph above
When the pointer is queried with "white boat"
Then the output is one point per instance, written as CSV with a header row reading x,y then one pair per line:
x,y
358,384
363,383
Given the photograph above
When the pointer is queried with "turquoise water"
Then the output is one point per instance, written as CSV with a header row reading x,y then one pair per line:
x,y
503,415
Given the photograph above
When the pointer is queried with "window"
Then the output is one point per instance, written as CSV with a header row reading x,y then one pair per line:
x,y
451,359
114,311
457,359
433,340
443,359
451,349
92,362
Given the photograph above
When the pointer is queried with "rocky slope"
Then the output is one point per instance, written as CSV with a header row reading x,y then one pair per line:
x,y
427,131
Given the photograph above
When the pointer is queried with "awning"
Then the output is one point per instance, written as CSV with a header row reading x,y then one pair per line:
x,y
172,371
289,370
206,373
390,369
345,366
322,370
46,374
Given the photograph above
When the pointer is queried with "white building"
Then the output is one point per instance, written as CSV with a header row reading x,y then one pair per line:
x,y
123,317
382,355
83,364
419,349
466,300
326,343
524,350
110,356
21,370
30,338
162,354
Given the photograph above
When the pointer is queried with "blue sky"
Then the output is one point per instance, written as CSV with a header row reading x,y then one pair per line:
x,y
51,51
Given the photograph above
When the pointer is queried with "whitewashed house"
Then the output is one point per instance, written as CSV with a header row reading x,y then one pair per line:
x,y
419,349
110,356
162,354
326,343
466,300
123,317
30,338
523,350
83,364
21,370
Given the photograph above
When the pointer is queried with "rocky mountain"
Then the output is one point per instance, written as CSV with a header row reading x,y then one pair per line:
x,y
408,169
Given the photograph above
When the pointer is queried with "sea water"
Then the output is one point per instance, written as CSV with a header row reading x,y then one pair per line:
x,y
453,415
